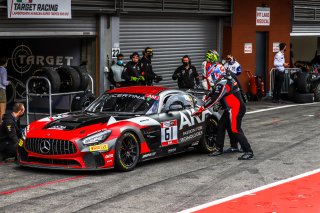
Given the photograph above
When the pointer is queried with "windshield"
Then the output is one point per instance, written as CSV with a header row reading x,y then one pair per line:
x,y
125,103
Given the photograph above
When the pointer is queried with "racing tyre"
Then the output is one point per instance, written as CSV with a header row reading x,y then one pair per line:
x,y
208,139
291,91
41,86
84,77
127,152
70,79
81,101
303,82
303,98
317,92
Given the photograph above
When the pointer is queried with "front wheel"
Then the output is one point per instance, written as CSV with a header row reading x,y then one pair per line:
x,y
127,152
208,139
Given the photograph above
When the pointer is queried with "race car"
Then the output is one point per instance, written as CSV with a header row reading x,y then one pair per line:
x,y
120,128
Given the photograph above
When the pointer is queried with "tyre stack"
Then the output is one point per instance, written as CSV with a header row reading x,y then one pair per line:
x,y
300,91
64,79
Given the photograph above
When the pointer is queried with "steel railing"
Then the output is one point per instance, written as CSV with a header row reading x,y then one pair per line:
x,y
287,80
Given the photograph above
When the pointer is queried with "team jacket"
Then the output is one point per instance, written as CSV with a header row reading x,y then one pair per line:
x,y
186,77
131,70
147,71
227,92
234,67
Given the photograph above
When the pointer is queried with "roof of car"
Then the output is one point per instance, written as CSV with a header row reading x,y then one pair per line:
x,y
152,90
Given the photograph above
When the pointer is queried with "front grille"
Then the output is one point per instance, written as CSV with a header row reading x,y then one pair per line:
x,y
72,163
50,146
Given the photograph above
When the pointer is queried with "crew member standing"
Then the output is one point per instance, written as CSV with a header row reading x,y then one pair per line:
x,y
116,71
132,73
227,92
279,63
187,75
146,67
233,65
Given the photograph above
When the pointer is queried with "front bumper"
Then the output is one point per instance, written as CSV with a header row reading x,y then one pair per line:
x,y
79,161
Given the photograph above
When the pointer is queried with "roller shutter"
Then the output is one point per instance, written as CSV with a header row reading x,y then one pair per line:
x,y
79,25
170,38
306,18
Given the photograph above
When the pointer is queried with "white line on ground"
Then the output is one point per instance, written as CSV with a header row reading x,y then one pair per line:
x,y
250,192
280,107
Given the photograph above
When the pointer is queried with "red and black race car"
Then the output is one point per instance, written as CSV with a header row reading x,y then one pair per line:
x,y
119,129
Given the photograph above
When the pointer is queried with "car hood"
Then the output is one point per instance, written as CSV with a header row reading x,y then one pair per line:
x,y
72,121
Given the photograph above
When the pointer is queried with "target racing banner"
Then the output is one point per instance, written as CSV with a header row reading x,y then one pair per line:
x,y
39,9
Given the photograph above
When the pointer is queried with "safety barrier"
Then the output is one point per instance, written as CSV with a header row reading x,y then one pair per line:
x,y
287,80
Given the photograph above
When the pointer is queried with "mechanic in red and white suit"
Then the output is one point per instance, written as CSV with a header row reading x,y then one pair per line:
x,y
226,91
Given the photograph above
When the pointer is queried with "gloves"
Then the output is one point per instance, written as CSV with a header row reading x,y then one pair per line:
x,y
141,78
134,79
199,112
179,75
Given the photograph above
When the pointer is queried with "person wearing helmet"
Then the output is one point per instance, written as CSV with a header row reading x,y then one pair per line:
x,y
146,67
225,90
131,73
187,75
233,65
210,65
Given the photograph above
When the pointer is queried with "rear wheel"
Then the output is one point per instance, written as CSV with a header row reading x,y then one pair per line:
x,y
208,139
127,152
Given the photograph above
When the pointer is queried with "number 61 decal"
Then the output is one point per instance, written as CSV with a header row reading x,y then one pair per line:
x,y
169,133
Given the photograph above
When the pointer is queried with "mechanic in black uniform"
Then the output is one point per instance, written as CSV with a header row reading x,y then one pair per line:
x,y
187,75
227,92
132,73
10,132
146,67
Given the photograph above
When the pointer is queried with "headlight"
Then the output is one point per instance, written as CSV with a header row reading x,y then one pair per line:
x,y
24,133
96,138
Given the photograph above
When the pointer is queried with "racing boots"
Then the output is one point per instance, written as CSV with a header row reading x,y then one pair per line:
x,y
231,150
216,152
246,156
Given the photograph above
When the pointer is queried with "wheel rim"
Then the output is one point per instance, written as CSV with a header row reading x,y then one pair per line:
x,y
211,134
129,151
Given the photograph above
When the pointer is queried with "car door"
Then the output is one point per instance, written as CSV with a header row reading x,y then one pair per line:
x,y
178,127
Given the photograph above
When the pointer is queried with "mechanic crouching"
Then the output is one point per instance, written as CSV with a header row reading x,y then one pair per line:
x,y
10,132
227,92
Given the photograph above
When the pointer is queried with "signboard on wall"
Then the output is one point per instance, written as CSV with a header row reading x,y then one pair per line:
x,y
275,47
247,47
39,9
263,16
27,55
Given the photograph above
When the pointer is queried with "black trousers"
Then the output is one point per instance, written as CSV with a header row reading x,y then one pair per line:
x,y
223,125
278,81
235,124
7,150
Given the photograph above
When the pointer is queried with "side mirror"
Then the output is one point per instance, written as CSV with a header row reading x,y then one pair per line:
x,y
175,107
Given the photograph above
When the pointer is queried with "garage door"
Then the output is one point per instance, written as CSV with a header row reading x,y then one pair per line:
x,y
83,25
171,38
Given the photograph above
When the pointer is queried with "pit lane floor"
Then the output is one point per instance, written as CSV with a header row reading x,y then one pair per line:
x,y
285,142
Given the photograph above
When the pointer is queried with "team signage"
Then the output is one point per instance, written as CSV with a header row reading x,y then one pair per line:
x,y
263,16
39,9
